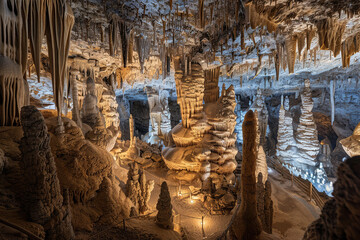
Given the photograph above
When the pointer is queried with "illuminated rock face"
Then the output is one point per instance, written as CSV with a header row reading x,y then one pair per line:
x,y
205,140
160,122
286,146
351,144
262,115
43,201
307,135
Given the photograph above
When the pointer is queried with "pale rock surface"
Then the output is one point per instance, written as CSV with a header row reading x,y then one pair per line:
x,y
160,123
351,144
205,140
261,165
307,135
262,115
286,146
138,189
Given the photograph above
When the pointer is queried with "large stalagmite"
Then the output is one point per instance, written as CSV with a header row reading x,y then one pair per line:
x,y
247,225
205,139
307,135
42,199
286,145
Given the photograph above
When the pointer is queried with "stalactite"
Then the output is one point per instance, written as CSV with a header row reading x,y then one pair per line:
x,y
330,34
301,44
124,35
143,49
310,34
290,46
13,60
211,92
201,13
113,41
37,16
349,47
131,47
60,21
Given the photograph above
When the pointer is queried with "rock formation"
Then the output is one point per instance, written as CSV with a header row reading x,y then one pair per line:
x,y
340,216
268,209
286,145
90,113
351,144
138,189
108,108
307,135
261,165
247,224
205,139
42,200
160,123
262,115
164,217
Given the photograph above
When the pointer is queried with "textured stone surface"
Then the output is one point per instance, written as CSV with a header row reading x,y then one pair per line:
x,y
307,135
164,217
351,145
247,224
42,200
340,216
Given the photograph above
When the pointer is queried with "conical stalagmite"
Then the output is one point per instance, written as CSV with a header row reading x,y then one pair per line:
x,y
246,225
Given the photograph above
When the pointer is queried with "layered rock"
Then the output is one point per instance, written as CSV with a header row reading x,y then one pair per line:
x,y
138,189
108,107
246,224
261,165
42,200
90,113
307,135
286,145
262,115
351,145
340,216
160,122
164,217
205,146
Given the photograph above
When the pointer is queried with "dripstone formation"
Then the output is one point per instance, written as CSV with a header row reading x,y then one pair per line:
x,y
247,225
42,197
307,135
164,217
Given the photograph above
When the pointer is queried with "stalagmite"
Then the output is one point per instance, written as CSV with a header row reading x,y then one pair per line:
x,y
286,145
307,135
164,217
247,225
42,198
75,110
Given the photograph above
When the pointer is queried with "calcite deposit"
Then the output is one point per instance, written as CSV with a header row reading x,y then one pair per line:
x,y
351,144
307,135
205,139
43,200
